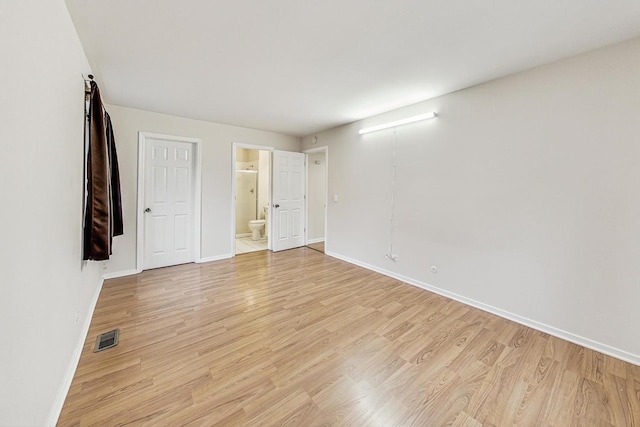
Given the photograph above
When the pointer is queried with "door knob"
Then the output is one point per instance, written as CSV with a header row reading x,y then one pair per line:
x,y
276,205
148,210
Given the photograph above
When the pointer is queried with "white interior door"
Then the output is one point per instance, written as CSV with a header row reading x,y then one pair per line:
x,y
288,206
169,189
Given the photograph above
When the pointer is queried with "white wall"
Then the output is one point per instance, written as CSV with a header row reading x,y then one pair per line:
x,y
217,151
44,284
316,197
524,192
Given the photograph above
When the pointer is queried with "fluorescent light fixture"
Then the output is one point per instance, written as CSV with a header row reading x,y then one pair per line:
x,y
400,122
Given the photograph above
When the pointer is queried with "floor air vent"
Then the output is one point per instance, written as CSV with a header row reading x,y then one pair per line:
x,y
107,340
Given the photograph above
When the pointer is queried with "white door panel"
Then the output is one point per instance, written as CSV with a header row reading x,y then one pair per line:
x,y
288,205
296,223
169,203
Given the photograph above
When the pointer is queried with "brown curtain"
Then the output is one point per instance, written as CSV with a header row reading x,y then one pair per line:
x,y
103,211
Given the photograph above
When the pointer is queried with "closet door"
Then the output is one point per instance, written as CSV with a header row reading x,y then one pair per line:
x,y
168,203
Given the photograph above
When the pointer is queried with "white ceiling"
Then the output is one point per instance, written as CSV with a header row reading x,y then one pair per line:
x,y
301,66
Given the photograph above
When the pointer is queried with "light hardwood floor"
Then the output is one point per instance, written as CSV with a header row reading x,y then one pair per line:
x,y
319,246
299,338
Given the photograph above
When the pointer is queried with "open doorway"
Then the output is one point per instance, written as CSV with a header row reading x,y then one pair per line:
x,y
316,198
252,179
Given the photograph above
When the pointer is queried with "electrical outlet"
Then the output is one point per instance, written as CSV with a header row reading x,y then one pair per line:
x,y
77,316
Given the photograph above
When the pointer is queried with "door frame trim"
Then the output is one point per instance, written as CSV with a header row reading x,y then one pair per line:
x,y
233,188
197,196
325,149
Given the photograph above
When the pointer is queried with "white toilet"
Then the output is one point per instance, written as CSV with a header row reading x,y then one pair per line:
x,y
256,226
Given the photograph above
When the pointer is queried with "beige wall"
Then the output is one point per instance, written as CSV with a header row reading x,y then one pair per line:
x,y
217,146
524,193
264,181
46,291
246,155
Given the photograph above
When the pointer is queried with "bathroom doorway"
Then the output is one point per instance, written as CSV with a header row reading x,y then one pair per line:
x,y
252,179
316,198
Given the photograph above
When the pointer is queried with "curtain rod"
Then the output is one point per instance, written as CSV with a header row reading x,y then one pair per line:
x,y
87,90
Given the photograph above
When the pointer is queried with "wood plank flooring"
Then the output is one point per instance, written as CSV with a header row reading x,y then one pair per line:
x,y
298,338
319,246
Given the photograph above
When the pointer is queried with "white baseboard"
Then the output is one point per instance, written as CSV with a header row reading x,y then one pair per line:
x,y
559,333
131,272
214,258
318,240
116,274
243,235
54,414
